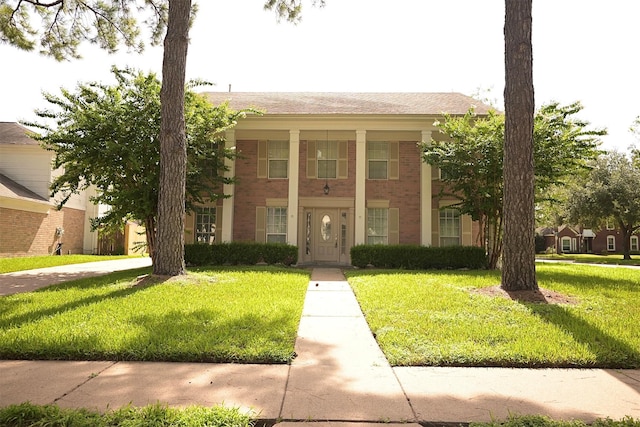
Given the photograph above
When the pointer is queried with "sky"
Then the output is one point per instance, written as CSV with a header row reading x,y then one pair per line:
x,y
583,50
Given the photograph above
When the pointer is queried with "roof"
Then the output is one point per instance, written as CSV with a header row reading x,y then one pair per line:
x,y
13,190
374,103
15,133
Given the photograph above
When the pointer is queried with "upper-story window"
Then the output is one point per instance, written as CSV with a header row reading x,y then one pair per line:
x,y
327,158
278,155
378,160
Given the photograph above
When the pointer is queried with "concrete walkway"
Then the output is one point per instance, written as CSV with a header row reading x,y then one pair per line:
x,y
340,375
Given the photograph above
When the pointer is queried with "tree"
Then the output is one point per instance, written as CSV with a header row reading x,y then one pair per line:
x,y
471,161
108,137
518,267
109,23
611,192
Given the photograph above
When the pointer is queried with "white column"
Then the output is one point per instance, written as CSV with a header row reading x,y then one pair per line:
x,y
92,210
361,181
294,172
228,189
425,196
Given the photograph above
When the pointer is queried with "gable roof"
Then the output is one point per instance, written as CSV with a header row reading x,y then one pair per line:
x,y
15,134
13,190
373,103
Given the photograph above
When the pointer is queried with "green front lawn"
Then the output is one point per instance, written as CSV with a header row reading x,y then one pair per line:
x,y
436,318
592,258
246,315
8,265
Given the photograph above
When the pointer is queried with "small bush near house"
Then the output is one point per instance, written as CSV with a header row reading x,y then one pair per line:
x,y
239,253
414,257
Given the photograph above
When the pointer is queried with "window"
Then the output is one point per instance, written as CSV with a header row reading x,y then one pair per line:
x,y
206,225
566,244
276,225
449,227
611,243
609,225
327,157
377,226
278,155
378,159
634,243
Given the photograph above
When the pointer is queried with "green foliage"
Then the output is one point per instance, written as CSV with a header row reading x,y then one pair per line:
x,y
239,314
471,161
108,137
414,257
240,253
610,192
543,421
450,318
540,244
8,265
62,26
29,414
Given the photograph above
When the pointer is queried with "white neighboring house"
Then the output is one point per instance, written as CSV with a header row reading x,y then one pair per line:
x,y
30,224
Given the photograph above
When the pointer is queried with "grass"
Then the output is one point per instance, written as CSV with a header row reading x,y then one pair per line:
x,y
246,315
9,265
592,258
27,414
435,318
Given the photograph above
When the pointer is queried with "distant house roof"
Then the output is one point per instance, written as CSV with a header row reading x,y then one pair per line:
x,y
288,103
13,190
16,134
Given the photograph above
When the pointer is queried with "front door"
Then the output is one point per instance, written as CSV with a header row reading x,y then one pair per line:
x,y
326,235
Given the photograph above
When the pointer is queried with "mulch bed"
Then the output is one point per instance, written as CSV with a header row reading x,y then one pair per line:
x,y
540,296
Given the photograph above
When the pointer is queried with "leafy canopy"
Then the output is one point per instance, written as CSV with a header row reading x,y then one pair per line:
x,y
108,137
470,157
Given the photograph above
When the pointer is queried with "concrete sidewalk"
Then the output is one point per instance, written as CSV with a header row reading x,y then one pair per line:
x,y
340,375
30,280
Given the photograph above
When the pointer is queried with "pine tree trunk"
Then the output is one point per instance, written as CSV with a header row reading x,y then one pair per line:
x,y
168,258
518,266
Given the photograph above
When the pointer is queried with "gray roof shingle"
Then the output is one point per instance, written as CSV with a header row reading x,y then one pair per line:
x,y
16,134
374,103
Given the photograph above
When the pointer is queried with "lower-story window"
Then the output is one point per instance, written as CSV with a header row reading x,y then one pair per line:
x,y
450,227
634,243
206,225
276,225
377,226
611,243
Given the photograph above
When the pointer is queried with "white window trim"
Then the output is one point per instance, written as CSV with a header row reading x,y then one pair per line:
x,y
611,243
329,145
201,234
384,236
282,215
441,235
280,159
634,244
370,160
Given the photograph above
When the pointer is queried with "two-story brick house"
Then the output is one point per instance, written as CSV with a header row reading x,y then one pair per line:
x,y
327,171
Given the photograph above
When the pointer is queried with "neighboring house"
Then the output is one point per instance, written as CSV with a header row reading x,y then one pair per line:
x,y
30,224
327,171
567,239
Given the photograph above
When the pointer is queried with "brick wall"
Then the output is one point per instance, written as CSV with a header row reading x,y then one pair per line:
x,y
251,191
25,233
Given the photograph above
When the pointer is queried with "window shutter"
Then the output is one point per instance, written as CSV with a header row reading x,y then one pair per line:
x,y
394,160
343,159
261,224
218,224
394,226
435,227
467,230
311,159
262,159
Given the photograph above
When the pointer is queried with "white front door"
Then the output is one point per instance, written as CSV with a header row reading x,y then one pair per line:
x,y
326,235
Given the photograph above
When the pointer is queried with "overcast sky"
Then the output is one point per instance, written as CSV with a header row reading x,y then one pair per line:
x,y
584,50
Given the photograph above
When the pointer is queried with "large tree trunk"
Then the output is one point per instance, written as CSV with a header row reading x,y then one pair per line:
x,y
518,266
168,258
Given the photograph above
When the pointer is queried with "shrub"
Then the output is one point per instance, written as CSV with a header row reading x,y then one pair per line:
x,y
240,253
414,257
